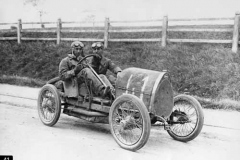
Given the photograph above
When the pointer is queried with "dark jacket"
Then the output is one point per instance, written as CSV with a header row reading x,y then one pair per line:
x,y
66,67
101,66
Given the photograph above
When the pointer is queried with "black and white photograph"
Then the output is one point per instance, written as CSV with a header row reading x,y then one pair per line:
x,y
119,79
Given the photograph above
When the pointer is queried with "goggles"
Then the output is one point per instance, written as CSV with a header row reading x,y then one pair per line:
x,y
78,48
97,46
77,45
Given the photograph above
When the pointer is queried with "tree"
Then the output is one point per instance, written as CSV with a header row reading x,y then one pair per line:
x,y
90,19
38,5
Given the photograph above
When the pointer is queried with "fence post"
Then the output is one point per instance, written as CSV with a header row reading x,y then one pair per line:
x,y
164,31
59,26
236,33
19,29
106,29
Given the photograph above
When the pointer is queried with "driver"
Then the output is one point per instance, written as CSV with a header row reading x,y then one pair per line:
x,y
102,64
69,69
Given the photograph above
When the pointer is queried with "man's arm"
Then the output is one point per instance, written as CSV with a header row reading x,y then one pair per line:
x,y
113,67
64,72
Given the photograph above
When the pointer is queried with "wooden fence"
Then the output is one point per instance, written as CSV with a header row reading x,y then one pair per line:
x,y
108,30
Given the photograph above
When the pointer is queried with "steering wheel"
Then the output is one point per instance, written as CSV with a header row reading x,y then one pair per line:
x,y
84,58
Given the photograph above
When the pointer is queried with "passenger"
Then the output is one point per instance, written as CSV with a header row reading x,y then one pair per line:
x,y
102,64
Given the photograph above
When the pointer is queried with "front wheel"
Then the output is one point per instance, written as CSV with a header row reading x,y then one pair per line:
x,y
129,122
186,119
49,105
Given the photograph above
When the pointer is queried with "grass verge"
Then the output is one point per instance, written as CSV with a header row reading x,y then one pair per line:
x,y
21,81
225,104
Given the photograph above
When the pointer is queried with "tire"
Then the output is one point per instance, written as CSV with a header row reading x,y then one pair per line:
x,y
54,80
129,122
190,108
49,105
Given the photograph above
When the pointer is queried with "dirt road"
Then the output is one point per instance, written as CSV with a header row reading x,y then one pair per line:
x,y
25,137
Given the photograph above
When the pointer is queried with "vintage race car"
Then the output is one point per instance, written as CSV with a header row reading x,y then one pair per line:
x,y
141,98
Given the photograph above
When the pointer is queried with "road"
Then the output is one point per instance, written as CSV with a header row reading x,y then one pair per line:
x,y
25,137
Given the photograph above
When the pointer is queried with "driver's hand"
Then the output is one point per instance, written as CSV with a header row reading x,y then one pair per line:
x,y
78,68
85,65
97,56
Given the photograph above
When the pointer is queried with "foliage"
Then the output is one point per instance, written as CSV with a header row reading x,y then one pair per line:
x,y
35,60
38,5
200,69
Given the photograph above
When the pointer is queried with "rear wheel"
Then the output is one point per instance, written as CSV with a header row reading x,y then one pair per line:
x,y
186,119
129,122
49,105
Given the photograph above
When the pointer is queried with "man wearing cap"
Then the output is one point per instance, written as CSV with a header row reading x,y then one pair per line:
x,y
102,64
70,70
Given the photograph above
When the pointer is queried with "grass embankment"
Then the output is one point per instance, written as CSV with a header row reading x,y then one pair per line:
x,y
209,72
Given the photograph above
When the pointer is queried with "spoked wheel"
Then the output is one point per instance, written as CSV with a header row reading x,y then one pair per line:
x,y
49,105
129,122
186,119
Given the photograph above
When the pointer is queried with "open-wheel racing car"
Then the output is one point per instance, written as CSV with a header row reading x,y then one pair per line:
x,y
141,98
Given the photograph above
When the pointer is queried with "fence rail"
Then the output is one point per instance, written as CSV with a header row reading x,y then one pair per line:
x,y
202,19
38,30
107,29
